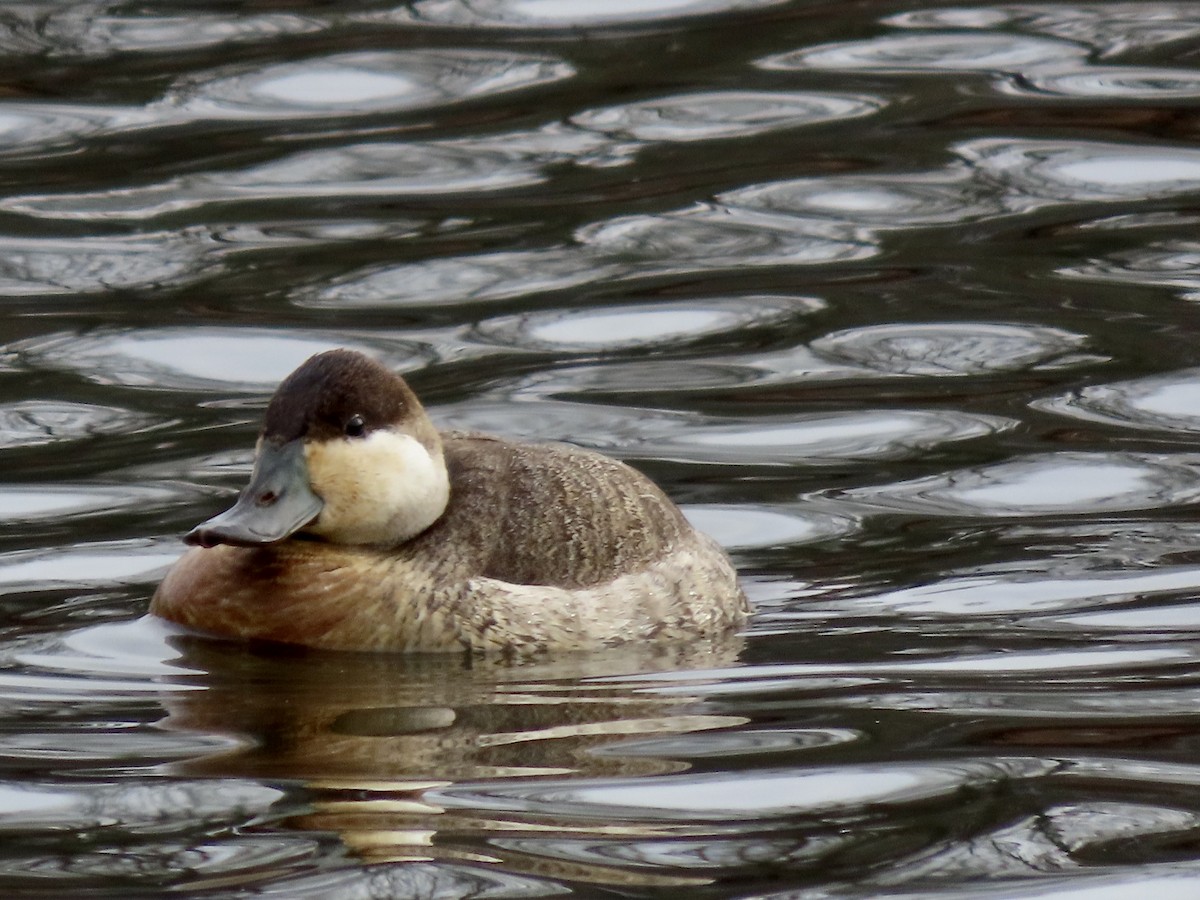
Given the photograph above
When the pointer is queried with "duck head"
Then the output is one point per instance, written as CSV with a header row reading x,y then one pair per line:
x,y
346,453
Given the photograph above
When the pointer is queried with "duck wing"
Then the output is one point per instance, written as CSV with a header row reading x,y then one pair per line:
x,y
552,514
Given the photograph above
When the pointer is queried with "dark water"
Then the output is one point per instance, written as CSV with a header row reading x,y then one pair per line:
x,y
899,300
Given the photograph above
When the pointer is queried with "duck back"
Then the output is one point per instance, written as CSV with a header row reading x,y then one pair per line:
x,y
552,514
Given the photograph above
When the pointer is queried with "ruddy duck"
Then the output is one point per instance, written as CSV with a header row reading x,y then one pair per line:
x,y
365,528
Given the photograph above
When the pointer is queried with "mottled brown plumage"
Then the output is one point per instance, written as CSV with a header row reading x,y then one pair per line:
x,y
540,547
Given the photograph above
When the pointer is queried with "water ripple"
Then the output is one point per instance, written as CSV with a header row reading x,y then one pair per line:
x,y
952,348
40,267
380,169
82,566
703,855
445,281
680,242
748,795
759,527
92,31
353,83
990,178
1108,28
877,202
744,742
915,680
1007,591
39,128
644,325
130,662
62,503
1174,263
711,372
34,423
716,237
180,863
1039,172
167,807
815,439
411,878
200,359
1050,484
723,114
1170,402
1165,880
1111,83
1046,855
93,748
871,434
933,53
230,469
1141,620
552,14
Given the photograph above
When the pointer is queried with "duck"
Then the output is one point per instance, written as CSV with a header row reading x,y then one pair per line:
x,y
366,528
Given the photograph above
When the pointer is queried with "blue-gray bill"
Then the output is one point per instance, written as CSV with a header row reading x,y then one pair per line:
x,y
276,504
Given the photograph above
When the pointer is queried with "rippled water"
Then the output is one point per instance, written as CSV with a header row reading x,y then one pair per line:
x,y
898,300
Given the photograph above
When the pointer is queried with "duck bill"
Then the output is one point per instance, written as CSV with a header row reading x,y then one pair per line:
x,y
276,504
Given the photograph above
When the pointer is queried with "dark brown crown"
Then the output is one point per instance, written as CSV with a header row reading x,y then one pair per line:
x,y
319,399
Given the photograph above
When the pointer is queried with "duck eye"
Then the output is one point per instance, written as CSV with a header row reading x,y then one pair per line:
x,y
355,426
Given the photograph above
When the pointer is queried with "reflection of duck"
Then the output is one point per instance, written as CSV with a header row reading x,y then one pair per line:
x,y
367,735
341,719
365,528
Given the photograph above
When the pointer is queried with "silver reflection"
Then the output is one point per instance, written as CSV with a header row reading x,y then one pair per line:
x,y
64,503
952,348
1035,589
355,83
355,170
199,358
32,128
1047,856
93,31
991,177
760,527
174,859
33,267
1111,82
693,240
34,423
756,795
1107,28
744,742
1034,173
827,438
637,325
914,199
713,236
725,114
1172,263
85,565
1170,402
556,14
1069,483
813,439
450,281
932,53
163,805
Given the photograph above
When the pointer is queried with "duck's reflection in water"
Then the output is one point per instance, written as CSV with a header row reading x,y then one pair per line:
x,y
369,734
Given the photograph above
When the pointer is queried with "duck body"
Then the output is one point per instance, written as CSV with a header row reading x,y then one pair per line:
x,y
406,539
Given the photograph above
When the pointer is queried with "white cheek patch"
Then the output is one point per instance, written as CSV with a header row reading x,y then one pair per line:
x,y
381,489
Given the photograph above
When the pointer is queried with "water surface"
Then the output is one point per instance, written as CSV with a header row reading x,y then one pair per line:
x,y
898,300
